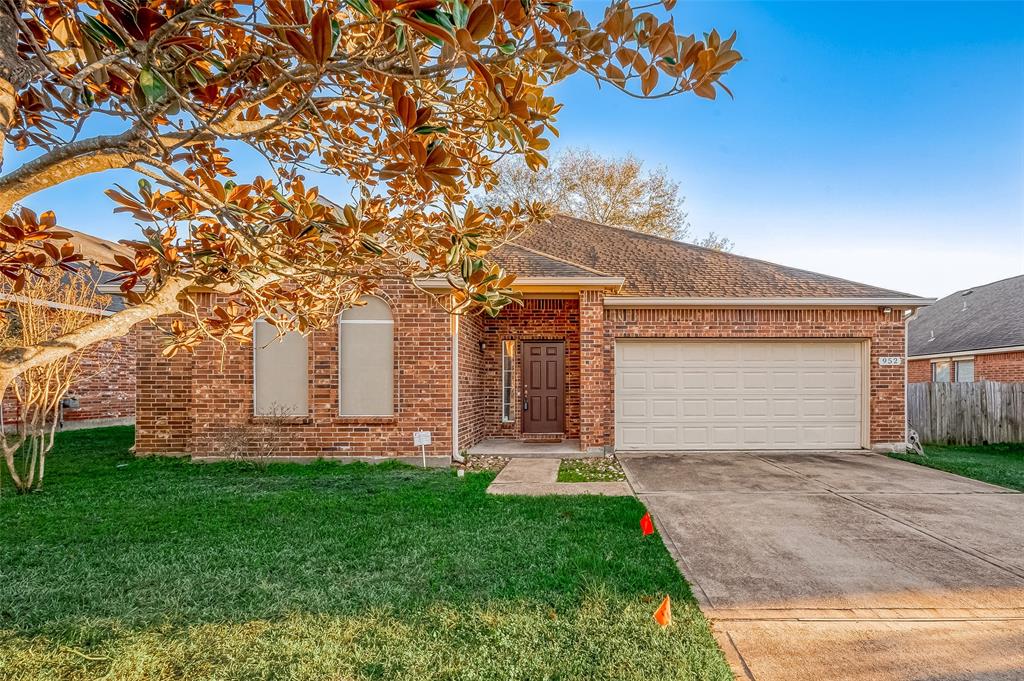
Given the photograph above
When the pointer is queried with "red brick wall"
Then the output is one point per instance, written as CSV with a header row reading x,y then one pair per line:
x,y
190,403
1001,367
163,415
1004,367
105,387
473,397
597,384
536,319
884,331
919,371
219,385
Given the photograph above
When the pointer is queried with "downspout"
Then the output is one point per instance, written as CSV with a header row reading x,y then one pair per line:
x,y
455,385
906,373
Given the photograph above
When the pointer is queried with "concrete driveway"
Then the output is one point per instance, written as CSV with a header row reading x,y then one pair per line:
x,y
845,566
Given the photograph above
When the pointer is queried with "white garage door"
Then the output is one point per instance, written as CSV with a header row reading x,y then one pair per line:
x,y
679,395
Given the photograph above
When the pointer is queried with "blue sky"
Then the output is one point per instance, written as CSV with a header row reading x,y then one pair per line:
x,y
877,141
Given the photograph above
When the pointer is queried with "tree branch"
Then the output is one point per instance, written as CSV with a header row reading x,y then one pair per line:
x,y
92,155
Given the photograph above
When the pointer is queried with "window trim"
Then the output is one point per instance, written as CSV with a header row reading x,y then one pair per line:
x,y
956,371
949,370
394,382
508,356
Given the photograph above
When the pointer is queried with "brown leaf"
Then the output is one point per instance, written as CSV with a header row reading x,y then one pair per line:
x,y
301,45
482,73
406,109
705,90
649,80
323,38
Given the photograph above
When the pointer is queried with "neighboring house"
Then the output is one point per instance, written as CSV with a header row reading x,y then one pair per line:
x,y
104,394
972,335
624,341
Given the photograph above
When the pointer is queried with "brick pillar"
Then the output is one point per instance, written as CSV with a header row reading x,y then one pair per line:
x,y
163,394
593,382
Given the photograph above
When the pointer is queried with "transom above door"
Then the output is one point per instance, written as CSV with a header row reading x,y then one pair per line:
x,y
543,387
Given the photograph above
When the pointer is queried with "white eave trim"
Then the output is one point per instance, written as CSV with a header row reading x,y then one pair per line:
x,y
969,353
54,305
438,282
653,301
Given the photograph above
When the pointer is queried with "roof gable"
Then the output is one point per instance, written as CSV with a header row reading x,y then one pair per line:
x,y
658,267
979,318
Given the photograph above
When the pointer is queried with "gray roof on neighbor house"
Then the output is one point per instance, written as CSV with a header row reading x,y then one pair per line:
x,y
658,267
979,318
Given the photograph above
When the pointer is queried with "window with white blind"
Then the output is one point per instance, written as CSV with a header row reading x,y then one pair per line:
x,y
965,371
940,371
280,372
508,350
367,359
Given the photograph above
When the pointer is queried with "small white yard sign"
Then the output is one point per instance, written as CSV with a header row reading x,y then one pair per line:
x,y
421,438
890,361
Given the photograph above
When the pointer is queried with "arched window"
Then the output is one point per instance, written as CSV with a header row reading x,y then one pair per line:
x,y
280,372
367,359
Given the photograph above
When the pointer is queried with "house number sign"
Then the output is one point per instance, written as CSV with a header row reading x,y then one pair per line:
x,y
890,361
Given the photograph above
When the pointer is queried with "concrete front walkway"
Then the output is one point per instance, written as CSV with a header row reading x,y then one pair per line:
x,y
844,566
537,477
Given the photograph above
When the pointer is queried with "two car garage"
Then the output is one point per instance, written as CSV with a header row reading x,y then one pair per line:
x,y
676,395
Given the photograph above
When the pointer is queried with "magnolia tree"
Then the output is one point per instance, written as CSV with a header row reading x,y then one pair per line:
x,y
402,105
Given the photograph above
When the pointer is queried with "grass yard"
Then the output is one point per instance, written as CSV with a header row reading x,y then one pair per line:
x,y
997,464
130,568
590,469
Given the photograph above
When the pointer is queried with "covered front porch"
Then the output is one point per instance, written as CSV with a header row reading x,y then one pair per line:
x,y
519,379
521,375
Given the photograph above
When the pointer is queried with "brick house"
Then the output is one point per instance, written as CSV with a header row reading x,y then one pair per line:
x,y
972,335
104,393
624,341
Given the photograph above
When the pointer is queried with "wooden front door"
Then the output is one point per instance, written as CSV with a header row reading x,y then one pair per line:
x,y
543,387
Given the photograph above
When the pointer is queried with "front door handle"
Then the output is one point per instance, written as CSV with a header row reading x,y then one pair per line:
x,y
526,404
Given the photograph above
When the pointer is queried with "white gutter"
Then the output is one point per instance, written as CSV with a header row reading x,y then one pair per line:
x,y
455,385
437,282
970,353
906,377
655,302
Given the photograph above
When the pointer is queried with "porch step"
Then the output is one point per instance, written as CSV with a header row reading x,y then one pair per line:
x,y
524,449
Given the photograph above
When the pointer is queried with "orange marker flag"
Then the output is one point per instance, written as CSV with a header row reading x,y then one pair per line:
x,y
646,524
663,615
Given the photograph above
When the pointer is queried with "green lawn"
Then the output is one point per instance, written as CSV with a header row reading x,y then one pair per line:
x,y
998,464
151,569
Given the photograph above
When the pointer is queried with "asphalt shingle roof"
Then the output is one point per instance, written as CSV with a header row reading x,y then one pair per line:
x,y
979,318
653,266
526,262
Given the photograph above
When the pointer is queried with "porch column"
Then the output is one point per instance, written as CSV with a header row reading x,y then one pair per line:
x,y
593,381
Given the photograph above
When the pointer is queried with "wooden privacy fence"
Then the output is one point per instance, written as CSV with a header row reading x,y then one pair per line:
x,y
967,413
